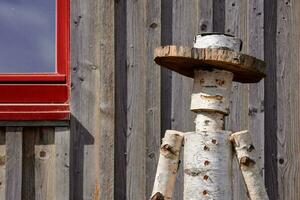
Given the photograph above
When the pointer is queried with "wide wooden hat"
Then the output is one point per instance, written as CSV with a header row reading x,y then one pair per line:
x,y
185,60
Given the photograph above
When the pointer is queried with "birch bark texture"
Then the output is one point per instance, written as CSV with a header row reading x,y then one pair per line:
x,y
167,166
245,153
208,150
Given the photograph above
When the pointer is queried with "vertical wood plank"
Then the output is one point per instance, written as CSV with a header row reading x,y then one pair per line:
x,y
205,16
166,75
62,162
153,90
92,101
136,100
288,99
13,163
236,24
189,18
143,98
107,100
3,164
28,160
121,99
256,91
44,164
219,16
271,110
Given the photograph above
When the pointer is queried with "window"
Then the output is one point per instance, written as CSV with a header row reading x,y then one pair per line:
x,y
34,59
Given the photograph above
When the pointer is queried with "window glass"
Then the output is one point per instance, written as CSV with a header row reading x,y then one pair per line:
x,y
27,36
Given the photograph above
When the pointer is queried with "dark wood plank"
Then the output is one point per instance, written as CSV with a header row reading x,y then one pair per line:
x,y
3,164
166,74
219,16
121,100
270,105
28,160
92,100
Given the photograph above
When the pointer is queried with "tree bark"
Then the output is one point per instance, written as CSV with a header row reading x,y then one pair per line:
x,y
208,150
167,165
207,165
245,153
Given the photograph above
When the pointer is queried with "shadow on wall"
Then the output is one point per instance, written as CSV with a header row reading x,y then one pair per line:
x,y
79,137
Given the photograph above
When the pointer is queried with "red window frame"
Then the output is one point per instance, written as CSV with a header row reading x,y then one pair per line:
x,y
41,96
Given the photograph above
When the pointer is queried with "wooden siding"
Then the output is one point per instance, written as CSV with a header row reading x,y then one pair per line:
x,y
122,102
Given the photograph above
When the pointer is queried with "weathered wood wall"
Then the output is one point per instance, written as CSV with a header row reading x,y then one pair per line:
x,y
122,102
268,109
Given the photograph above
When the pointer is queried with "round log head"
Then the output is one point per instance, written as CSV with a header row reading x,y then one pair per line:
x,y
185,60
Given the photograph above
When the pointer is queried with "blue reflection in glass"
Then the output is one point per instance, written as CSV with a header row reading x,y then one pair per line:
x,y
27,36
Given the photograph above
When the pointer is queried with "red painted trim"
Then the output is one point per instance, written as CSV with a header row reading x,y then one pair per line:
x,y
34,93
34,116
32,112
4,108
41,96
16,78
63,37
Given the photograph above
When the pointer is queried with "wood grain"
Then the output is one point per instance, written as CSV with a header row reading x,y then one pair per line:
x,y
143,115
256,113
92,104
44,164
153,89
62,162
288,99
270,101
121,99
185,14
166,74
236,24
3,164
13,163
136,101
185,60
28,160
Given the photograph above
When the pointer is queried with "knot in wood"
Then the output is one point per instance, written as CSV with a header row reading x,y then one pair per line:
x,y
2,160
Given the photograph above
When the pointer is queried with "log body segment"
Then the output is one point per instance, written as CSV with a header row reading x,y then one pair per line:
x,y
207,165
208,150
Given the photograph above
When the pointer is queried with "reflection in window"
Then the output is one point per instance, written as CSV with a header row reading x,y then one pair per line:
x,y
27,36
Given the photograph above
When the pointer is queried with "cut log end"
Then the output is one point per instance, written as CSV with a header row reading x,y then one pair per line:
x,y
158,196
246,161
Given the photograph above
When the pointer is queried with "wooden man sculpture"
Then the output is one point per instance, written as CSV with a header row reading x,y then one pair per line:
x,y
214,62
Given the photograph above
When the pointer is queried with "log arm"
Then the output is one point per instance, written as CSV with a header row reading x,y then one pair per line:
x,y
245,153
167,166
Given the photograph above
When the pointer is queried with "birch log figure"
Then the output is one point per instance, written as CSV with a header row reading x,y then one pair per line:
x,y
167,166
208,151
245,153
